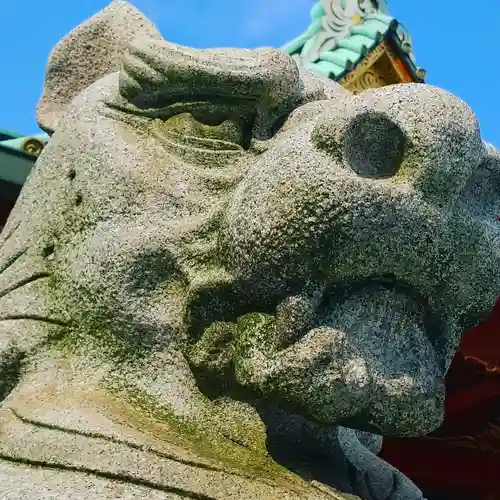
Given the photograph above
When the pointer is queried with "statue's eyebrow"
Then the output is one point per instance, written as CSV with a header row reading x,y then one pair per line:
x,y
155,70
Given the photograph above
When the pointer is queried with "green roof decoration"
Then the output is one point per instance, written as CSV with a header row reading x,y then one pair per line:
x,y
18,154
491,148
343,32
7,134
32,144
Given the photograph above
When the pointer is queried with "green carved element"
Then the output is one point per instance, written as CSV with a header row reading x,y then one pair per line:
x,y
343,32
18,154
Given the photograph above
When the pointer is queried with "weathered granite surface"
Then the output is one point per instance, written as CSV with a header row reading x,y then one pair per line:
x,y
221,266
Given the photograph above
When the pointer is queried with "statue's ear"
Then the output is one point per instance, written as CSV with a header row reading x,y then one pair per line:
x,y
86,54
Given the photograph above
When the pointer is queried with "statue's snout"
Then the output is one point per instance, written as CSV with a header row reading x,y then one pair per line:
x,y
378,185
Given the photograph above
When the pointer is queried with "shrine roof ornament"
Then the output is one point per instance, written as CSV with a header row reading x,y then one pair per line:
x,y
17,143
18,153
31,144
343,32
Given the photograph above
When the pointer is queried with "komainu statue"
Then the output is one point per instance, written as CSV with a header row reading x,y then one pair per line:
x,y
228,279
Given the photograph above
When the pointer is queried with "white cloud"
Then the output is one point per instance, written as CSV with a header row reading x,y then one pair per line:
x,y
229,22
265,16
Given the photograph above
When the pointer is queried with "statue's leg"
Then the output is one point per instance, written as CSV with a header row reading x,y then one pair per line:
x,y
371,477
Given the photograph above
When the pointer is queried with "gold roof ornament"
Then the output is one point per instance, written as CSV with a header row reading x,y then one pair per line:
x,y
348,38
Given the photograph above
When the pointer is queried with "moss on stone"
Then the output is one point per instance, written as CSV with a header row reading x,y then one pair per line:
x,y
201,438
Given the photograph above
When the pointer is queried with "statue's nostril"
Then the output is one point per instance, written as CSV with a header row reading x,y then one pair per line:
x,y
374,145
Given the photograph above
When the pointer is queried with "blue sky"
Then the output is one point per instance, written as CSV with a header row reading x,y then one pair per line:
x,y
455,41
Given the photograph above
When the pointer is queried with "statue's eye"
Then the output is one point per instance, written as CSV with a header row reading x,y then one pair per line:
x,y
214,132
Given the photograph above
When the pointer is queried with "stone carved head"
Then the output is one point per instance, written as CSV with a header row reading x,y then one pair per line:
x,y
242,245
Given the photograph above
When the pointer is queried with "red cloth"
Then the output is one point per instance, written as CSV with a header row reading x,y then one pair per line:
x,y
461,460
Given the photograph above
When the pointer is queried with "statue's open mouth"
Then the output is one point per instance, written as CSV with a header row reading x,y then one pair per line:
x,y
352,354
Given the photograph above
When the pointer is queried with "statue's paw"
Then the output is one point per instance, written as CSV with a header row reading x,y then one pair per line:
x,y
371,477
394,484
